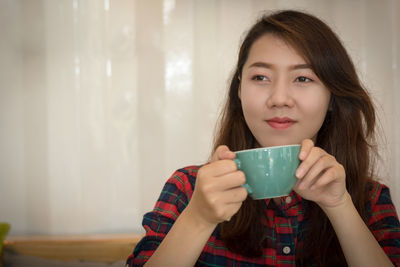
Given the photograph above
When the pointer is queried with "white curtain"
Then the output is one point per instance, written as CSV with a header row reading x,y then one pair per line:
x,y
100,100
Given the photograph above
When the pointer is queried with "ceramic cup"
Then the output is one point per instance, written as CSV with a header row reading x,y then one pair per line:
x,y
270,171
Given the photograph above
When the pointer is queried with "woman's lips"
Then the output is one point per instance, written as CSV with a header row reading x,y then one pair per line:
x,y
280,123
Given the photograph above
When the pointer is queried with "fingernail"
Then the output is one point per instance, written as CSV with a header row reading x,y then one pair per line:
x,y
299,173
302,155
227,154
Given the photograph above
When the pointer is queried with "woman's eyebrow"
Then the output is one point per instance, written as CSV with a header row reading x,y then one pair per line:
x,y
266,65
261,65
301,66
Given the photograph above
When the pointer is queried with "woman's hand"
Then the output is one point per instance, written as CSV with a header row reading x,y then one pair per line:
x,y
321,178
218,193
217,196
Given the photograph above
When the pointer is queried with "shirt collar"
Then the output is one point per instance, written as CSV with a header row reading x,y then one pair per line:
x,y
286,202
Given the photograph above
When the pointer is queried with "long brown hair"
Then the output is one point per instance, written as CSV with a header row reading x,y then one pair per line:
x,y
347,133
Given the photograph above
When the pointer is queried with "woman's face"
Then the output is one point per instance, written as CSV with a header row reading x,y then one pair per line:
x,y
283,101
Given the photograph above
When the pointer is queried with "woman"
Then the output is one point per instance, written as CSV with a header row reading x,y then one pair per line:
x,y
294,83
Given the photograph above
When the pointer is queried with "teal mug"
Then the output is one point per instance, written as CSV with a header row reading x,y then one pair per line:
x,y
270,171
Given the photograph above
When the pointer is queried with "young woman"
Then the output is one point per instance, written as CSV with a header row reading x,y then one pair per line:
x,y
294,83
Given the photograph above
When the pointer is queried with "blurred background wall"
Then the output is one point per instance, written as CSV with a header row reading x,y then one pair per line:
x,y
101,100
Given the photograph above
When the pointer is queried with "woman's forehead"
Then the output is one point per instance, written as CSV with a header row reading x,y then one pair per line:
x,y
270,49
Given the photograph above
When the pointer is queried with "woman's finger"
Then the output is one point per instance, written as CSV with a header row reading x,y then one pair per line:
x,y
329,176
231,180
235,195
224,205
217,168
222,152
306,146
317,170
313,156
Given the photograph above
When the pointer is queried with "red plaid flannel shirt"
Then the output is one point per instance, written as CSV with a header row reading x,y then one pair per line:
x,y
284,229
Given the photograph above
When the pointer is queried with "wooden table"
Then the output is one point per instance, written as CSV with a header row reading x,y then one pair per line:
x,y
99,248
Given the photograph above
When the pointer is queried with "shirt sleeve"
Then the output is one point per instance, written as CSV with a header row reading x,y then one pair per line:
x,y
173,199
384,222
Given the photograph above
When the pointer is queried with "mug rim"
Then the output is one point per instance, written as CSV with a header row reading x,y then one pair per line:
x,y
265,148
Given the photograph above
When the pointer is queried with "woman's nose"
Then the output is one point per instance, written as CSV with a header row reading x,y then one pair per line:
x,y
280,95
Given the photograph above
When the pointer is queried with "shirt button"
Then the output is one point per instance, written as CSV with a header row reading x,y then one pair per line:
x,y
288,200
286,250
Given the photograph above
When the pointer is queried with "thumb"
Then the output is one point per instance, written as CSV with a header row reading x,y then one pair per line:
x,y
223,152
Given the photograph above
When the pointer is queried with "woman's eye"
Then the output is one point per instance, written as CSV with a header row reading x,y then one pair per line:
x,y
303,79
259,78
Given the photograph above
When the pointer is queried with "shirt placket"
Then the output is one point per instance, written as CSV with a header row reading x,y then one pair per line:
x,y
286,228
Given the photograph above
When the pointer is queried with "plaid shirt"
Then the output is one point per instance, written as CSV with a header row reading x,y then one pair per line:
x,y
284,229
